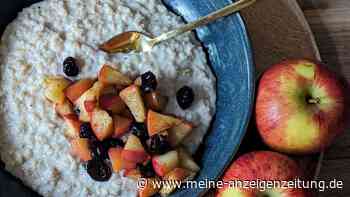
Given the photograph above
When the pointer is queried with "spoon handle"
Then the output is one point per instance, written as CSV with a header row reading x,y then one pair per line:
x,y
234,7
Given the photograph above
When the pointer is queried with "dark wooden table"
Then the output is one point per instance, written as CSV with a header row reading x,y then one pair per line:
x,y
278,31
330,22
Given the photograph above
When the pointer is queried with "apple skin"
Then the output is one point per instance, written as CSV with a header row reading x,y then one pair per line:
x,y
300,107
262,165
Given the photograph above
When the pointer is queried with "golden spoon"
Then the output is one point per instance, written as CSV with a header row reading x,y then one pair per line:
x,y
133,41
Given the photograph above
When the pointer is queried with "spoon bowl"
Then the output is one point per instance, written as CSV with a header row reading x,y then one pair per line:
x,y
133,41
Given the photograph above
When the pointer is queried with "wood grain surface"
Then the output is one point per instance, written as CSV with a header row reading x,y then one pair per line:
x,y
330,22
278,31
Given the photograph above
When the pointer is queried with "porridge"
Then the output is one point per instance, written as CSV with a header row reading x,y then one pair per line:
x,y
33,140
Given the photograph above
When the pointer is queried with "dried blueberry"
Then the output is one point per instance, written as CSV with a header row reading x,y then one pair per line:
x,y
185,97
147,170
98,150
139,130
98,170
112,143
148,82
70,67
158,144
86,131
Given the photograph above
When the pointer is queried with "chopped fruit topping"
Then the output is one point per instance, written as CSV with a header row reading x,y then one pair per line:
x,y
132,98
74,91
157,122
99,170
138,81
150,188
54,89
121,125
112,103
126,113
86,131
158,144
148,82
74,124
178,133
185,97
118,164
155,101
186,161
80,149
163,164
64,109
133,174
98,150
89,106
110,89
178,174
134,151
139,130
102,124
70,67
91,95
146,170
99,114
109,75
115,155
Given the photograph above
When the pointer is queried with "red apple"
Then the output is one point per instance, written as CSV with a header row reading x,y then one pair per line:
x,y
262,165
300,107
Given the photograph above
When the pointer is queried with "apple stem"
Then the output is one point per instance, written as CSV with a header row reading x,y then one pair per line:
x,y
314,101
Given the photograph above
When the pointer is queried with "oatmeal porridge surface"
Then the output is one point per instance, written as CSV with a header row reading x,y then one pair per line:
x,y
32,140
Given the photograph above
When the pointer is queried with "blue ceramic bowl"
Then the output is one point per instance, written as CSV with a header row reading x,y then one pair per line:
x,y
230,57
231,60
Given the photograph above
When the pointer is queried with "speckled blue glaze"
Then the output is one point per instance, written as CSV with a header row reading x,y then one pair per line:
x,y
231,59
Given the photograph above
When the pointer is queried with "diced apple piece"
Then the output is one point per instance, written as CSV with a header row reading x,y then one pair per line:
x,y
127,114
74,91
178,133
109,75
155,101
73,124
80,149
151,187
91,95
121,125
101,124
109,89
118,164
64,109
138,81
132,98
186,161
165,163
54,88
157,122
115,155
112,103
134,174
134,151
89,106
176,176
